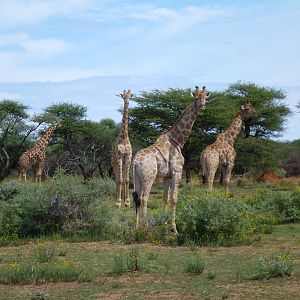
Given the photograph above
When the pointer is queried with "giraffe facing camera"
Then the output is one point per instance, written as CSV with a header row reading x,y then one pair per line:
x,y
164,159
122,155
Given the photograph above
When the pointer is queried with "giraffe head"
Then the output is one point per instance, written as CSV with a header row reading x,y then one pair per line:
x,y
57,125
126,95
247,111
200,97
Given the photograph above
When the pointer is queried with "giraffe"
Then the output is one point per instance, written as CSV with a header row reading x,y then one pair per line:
x,y
221,152
121,156
36,155
164,159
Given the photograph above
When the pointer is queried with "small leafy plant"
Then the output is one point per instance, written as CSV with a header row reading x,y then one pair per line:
x,y
276,265
44,253
194,264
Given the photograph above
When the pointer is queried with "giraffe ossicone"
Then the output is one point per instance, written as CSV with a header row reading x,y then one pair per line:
x,y
221,152
36,155
122,155
164,159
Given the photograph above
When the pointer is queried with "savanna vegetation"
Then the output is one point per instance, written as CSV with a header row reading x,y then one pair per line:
x,y
65,239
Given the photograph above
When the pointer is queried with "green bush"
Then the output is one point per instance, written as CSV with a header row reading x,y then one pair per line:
x,y
213,218
194,264
284,206
64,205
9,221
276,265
118,266
9,189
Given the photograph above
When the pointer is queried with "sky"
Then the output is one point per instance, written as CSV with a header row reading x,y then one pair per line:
x,y
87,51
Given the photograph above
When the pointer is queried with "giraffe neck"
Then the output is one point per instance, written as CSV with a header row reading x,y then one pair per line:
x,y
124,130
43,142
181,129
231,133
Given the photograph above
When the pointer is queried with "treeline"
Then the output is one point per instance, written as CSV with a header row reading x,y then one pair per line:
x,y
83,146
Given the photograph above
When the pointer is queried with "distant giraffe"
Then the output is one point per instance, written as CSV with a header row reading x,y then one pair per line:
x,y
164,159
36,155
121,156
221,152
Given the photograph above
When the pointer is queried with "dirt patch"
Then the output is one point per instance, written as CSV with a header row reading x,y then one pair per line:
x,y
268,176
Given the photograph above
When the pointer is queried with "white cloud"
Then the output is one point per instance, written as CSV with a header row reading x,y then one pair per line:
x,y
37,47
188,17
15,13
22,59
167,21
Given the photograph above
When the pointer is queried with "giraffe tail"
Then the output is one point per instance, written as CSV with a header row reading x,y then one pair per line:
x,y
137,191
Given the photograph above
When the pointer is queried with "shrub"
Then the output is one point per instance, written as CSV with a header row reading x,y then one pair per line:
x,y
44,253
118,264
276,265
194,264
63,205
9,189
211,275
9,221
284,206
214,218
134,260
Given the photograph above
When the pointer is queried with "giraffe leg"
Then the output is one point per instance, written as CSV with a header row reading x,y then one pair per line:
x,y
144,201
227,176
39,172
211,175
23,170
127,162
166,184
174,194
119,182
22,175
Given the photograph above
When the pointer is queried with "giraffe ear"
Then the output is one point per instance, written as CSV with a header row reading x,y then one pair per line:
x,y
242,107
208,94
192,94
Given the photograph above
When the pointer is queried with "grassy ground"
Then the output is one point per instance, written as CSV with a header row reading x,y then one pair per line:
x,y
162,270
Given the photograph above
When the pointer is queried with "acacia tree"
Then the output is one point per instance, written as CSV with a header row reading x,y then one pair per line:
x,y
82,145
155,111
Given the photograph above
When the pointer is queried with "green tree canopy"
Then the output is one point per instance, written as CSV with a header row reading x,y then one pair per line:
x,y
67,111
83,145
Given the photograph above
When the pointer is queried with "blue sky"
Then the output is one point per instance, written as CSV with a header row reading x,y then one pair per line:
x,y
86,51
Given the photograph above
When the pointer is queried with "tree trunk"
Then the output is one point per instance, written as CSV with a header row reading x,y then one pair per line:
x,y
4,172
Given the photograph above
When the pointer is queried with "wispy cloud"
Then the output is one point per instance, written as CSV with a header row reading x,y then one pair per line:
x,y
15,13
22,59
37,47
164,21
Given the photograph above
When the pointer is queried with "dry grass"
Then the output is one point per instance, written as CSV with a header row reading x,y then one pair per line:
x,y
232,267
